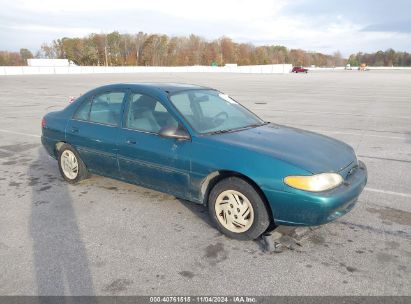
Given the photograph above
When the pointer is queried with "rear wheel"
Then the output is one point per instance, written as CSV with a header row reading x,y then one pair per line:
x,y
237,209
71,166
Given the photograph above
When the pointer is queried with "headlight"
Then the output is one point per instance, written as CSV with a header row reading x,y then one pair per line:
x,y
315,183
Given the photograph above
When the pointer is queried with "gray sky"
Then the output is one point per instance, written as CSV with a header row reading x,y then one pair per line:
x,y
316,25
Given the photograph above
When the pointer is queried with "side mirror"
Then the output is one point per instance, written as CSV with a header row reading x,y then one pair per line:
x,y
174,132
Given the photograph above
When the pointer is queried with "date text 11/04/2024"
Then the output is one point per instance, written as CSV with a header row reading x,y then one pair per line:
x,y
203,299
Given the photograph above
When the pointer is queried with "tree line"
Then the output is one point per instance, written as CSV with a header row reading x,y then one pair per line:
x,y
15,58
115,49
381,58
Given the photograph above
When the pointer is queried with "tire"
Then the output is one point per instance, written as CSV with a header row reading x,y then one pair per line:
x,y
227,206
68,153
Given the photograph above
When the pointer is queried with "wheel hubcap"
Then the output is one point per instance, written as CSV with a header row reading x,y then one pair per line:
x,y
69,164
234,211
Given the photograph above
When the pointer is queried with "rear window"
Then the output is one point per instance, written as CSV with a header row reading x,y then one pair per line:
x,y
83,111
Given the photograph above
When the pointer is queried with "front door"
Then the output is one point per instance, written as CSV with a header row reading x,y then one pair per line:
x,y
146,158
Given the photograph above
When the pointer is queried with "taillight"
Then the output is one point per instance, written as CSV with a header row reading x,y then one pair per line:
x,y
43,123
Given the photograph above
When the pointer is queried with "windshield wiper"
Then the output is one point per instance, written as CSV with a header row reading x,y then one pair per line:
x,y
221,131
239,129
253,126
257,125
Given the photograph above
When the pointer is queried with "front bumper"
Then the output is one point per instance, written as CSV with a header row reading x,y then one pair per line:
x,y
302,208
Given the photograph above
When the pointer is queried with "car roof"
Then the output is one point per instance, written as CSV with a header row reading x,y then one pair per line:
x,y
159,86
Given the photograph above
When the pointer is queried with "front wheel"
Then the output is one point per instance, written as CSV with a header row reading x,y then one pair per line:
x,y
237,209
70,164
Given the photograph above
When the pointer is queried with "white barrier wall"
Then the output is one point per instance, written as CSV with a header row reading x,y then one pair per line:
x,y
254,69
356,68
388,68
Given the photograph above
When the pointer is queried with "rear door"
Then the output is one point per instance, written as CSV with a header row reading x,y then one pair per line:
x,y
94,131
145,157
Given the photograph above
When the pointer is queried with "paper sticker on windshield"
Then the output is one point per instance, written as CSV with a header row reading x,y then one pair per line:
x,y
227,98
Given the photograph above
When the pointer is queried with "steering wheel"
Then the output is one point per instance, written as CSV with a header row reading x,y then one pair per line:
x,y
219,118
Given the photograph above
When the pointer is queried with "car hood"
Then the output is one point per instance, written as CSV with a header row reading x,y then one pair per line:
x,y
310,151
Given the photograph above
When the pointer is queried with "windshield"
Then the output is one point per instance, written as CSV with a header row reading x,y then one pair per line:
x,y
209,111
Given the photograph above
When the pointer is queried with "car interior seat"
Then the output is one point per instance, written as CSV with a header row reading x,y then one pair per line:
x,y
141,115
101,112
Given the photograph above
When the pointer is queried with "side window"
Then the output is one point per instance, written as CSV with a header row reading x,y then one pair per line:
x,y
83,110
106,108
147,114
160,108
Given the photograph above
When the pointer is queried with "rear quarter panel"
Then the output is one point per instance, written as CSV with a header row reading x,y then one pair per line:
x,y
54,131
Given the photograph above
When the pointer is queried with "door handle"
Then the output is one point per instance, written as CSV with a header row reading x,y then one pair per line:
x,y
74,130
131,141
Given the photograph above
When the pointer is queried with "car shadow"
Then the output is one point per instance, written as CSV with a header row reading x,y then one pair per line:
x,y
200,211
60,258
